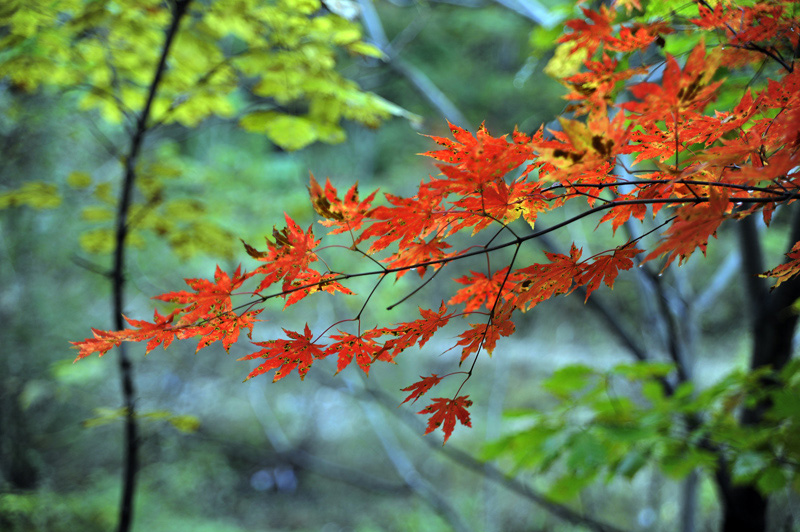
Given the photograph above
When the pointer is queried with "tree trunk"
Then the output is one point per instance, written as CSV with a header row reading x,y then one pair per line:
x,y
774,322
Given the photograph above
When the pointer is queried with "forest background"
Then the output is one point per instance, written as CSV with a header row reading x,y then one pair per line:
x,y
219,455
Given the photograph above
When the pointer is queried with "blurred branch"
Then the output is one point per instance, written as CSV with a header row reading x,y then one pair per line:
x,y
372,22
486,470
90,266
665,314
102,139
294,455
430,91
494,415
719,283
674,347
348,475
416,77
410,32
412,478
533,10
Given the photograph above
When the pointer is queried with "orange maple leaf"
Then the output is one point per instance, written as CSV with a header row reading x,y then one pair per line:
x,y
692,228
681,90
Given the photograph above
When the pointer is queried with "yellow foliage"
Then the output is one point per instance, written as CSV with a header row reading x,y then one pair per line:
x,y
36,194
79,180
567,61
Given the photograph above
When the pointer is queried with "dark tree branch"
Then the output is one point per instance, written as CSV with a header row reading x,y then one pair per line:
x,y
515,241
752,265
131,458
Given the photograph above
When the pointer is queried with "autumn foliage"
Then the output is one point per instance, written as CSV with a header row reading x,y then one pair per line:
x,y
640,140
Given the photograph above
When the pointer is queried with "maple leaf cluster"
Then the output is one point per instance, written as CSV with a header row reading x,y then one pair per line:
x,y
700,166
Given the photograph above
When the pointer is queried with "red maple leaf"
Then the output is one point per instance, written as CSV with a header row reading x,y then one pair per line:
x,y
481,290
417,332
540,282
101,342
363,348
310,281
474,160
421,387
622,213
591,32
225,327
159,331
444,412
287,257
345,215
407,220
208,299
297,352
605,268
418,252
486,335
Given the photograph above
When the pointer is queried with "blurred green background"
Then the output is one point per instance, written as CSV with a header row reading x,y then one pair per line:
x,y
330,454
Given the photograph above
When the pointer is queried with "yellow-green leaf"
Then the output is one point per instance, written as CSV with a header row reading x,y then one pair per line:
x,y
97,213
565,63
79,180
288,132
37,194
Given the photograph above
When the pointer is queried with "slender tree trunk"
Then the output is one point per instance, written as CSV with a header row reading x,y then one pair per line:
x,y
131,452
